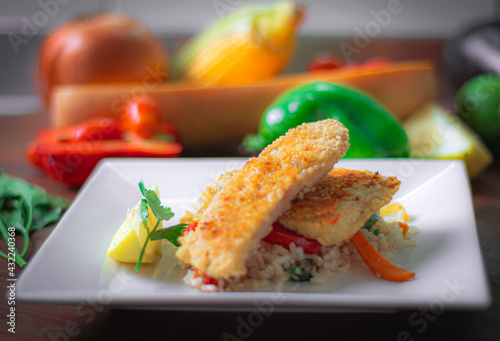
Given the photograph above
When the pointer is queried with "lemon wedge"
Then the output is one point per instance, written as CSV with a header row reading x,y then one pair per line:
x,y
127,243
435,134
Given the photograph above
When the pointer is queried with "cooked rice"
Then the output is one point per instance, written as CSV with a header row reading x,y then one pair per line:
x,y
390,239
268,267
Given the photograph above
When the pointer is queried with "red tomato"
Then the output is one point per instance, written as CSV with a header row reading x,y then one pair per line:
x,y
142,117
281,236
324,61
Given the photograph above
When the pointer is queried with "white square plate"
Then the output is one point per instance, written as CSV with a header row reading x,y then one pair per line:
x,y
72,266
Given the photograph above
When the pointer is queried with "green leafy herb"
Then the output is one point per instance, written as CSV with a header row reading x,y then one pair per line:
x,y
301,270
376,232
144,210
170,233
150,199
25,208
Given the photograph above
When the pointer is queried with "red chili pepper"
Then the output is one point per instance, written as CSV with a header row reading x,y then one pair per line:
x,y
70,158
281,236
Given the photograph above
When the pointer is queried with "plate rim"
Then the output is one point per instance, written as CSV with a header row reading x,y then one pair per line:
x,y
292,304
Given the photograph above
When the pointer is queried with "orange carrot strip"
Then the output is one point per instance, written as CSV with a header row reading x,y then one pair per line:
x,y
405,228
377,263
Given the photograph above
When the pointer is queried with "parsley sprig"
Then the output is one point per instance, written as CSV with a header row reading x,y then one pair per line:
x,y
170,233
150,199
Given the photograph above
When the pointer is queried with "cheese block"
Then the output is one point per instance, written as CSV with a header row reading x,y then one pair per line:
x,y
217,116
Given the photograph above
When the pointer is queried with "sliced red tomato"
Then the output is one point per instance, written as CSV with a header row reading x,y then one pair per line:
x,y
284,237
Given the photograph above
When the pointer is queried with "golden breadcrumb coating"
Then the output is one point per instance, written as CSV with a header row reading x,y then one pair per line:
x,y
242,211
339,205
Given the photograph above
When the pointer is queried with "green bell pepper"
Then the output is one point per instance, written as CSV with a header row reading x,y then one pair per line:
x,y
373,132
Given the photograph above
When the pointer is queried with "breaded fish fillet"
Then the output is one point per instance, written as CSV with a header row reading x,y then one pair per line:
x,y
339,205
242,211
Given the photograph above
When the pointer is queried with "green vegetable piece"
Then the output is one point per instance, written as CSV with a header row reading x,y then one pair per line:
x,y
376,232
370,222
373,132
301,271
27,208
170,233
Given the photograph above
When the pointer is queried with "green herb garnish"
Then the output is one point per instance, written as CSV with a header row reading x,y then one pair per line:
x,y
170,233
24,209
301,270
150,199
370,222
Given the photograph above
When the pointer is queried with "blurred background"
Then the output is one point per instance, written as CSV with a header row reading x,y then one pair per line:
x,y
24,23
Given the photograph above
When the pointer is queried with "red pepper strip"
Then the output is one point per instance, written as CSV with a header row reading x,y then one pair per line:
x,y
71,162
281,236
377,263
97,129
191,227
206,279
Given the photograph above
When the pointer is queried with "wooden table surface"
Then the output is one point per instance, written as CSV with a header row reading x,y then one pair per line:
x,y
64,322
